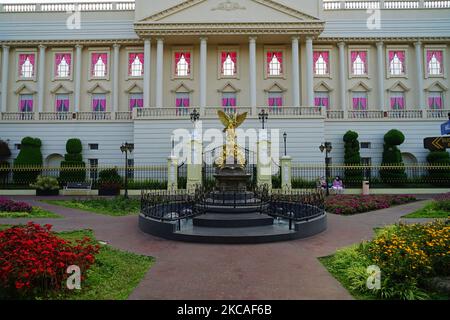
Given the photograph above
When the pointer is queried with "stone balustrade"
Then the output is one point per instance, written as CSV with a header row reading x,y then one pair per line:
x,y
384,4
69,6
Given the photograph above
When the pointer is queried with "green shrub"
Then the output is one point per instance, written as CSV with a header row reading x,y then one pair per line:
x,y
182,182
439,176
352,157
276,181
30,156
5,152
151,185
299,183
46,183
73,167
5,168
393,157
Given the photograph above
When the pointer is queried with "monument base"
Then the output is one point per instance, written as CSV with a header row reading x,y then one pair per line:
x,y
232,178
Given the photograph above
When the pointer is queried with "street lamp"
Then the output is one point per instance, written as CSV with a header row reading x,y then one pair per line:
x,y
125,148
263,116
195,116
327,148
284,138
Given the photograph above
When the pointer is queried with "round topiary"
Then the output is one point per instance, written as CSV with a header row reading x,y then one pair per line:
x,y
394,138
74,146
350,136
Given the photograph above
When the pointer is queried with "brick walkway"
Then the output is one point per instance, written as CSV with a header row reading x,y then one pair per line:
x,y
284,270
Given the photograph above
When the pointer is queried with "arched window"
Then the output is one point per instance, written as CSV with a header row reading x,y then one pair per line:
x,y
274,66
359,67
99,68
182,67
136,67
434,65
228,66
396,65
321,66
27,68
63,70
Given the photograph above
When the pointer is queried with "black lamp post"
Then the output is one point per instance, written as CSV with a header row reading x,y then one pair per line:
x,y
125,148
285,138
263,116
327,148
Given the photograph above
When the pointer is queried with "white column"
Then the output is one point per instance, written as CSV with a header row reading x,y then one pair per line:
x,y
309,72
342,72
5,70
78,63
41,78
295,73
159,72
115,80
380,66
252,70
147,58
419,67
203,71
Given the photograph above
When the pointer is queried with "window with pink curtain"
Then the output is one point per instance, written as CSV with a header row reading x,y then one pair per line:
x,y
26,103
133,69
233,57
62,103
136,101
66,69
397,67
186,67
321,62
98,103
28,72
359,101
359,66
397,102
435,62
270,57
435,100
321,99
95,57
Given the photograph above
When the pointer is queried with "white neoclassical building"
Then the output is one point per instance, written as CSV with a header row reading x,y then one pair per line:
x,y
110,72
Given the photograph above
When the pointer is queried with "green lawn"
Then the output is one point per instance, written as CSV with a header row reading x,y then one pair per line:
x,y
36,213
118,206
113,276
430,210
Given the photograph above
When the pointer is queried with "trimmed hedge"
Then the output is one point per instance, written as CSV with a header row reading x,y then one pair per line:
x,y
439,177
73,159
30,155
393,157
352,157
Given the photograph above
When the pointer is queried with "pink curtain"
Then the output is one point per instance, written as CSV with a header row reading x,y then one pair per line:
x,y
362,55
438,55
99,105
178,102
95,57
278,55
359,103
317,102
31,57
186,102
397,103
325,103
131,58
103,104
232,102
233,57
435,102
62,105
271,102
26,105
353,56
23,58
279,101
140,103
132,103
224,102
58,59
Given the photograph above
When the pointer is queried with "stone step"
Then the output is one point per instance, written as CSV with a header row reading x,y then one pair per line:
x,y
227,220
233,209
261,234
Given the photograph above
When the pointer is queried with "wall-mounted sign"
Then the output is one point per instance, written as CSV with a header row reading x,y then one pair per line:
x,y
437,143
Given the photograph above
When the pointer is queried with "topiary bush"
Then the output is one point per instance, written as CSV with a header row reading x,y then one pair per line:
x,y
393,157
73,167
109,182
352,157
439,176
28,164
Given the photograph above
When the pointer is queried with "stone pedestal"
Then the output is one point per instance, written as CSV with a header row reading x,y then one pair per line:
x,y
264,164
172,173
286,173
232,178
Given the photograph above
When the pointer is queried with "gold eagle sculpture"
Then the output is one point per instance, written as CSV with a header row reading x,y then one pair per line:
x,y
233,121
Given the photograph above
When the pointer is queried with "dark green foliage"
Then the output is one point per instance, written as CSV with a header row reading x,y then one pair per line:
x,y
109,175
73,167
182,182
393,157
352,176
439,176
30,156
276,181
5,152
109,182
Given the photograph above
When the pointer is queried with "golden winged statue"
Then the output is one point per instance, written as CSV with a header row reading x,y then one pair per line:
x,y
231,153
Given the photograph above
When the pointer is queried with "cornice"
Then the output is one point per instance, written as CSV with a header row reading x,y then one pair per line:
x,y
74,43
380,39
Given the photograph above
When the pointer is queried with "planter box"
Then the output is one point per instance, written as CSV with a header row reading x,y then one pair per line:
x,y
47,193
109,192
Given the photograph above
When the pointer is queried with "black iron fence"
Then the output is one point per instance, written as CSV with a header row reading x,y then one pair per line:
x,y
411,176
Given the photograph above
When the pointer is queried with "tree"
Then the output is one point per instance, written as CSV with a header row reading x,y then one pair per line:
x,y
352,158
28,164
73,169
439,176
5,153
393,157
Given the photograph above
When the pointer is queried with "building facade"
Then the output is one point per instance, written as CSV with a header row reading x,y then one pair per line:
x,y
133,71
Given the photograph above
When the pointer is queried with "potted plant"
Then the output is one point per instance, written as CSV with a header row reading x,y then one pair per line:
x,y
109,182
46,186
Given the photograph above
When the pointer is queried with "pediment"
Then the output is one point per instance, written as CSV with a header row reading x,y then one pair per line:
x,y
398,86
97,88
437,86
276,87
228,11
134,88
228,87
182,88
24,89
360,86
60,88
323,87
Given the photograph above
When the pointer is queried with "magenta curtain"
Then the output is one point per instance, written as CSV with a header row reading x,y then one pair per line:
x,y
397,103
99,105
62,105
95,57
325,102
224,102
186,102
278,55
140,103
232,102
317,102
279,101
23,58
438,55
435,102
132,103
131,58
178,102
271,102
58,59
31,57
103,104
353,56
26,105
359,103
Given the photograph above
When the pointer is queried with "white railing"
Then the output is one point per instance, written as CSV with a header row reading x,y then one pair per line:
x,y
94,115
13,116
150,113
123,115
403,114
335,114
292,111
55,116
365,114
438,114
386,4
71,6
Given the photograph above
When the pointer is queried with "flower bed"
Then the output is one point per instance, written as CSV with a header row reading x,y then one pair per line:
x,y
7,205
407,255
438,208
33,260
351,204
